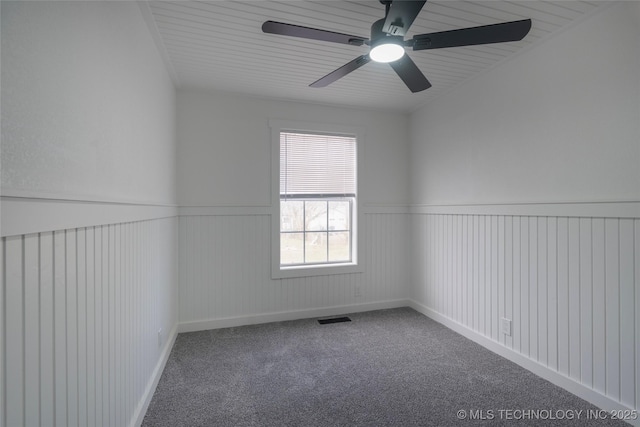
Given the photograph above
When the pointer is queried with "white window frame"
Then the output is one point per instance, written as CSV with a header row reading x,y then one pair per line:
x,y
355,265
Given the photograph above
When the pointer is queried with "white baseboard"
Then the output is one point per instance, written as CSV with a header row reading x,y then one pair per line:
x,y
143,404
586,393
229,322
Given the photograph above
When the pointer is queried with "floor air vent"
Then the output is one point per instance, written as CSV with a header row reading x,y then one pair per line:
x,y
334,320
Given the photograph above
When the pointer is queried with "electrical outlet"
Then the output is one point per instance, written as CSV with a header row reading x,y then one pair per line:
x,y
357,292
506,326
160,337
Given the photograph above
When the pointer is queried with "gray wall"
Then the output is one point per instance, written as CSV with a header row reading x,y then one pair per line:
x,y
497,166
89,231
558,123
88,110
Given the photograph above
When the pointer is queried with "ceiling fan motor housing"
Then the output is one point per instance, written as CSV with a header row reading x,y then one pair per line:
x,y
379,37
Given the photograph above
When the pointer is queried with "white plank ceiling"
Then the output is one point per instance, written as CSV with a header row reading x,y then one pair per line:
x,y
219,45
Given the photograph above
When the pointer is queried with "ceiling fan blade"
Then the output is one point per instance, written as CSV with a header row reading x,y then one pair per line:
x,y
401,15
283,29
342,71
486,34
410,74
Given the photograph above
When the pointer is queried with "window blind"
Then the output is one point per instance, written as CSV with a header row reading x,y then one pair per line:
x,y
312,165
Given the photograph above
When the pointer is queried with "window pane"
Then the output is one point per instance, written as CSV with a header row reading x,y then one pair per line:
x,y
339,212
316,247
339,246
291,215
315,215
291,248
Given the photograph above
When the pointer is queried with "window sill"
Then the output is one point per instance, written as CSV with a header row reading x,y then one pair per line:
x,y
316,270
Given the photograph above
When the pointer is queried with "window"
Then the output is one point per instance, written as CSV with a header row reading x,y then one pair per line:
x,y
317,192
315,224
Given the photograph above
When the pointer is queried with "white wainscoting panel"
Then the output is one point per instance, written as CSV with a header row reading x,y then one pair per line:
x,y
569,285
224,271
82,309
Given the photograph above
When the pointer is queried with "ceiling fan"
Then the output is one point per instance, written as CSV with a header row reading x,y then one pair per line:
x,y
387,43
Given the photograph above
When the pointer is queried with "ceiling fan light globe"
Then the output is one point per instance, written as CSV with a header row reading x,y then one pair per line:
x,y
386,52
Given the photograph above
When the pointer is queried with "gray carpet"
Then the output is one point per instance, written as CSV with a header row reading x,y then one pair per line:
x,y
384,368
